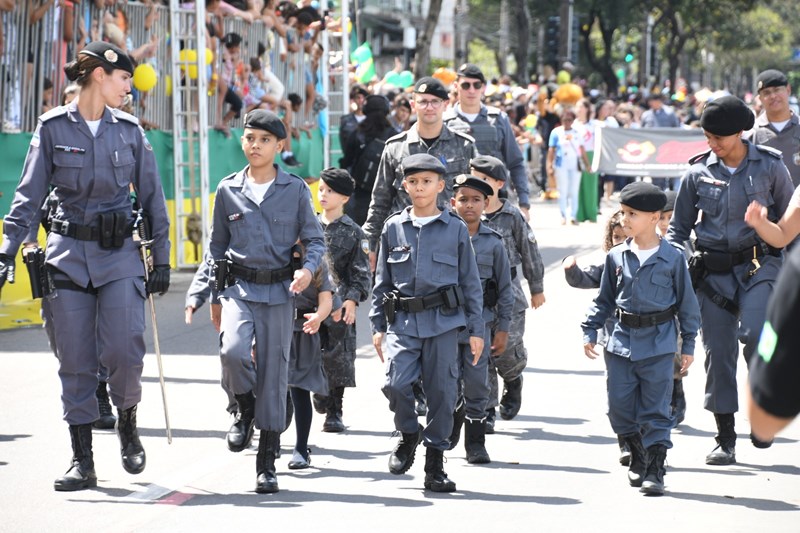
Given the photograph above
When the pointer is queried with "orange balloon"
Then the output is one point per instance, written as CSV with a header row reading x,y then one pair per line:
x,y
445,75
569,94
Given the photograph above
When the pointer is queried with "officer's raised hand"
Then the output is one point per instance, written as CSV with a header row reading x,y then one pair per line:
x,y
158,281
6,269
302,278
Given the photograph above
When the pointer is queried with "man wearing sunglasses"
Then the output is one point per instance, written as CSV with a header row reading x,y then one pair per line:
x,y
490,127
428,135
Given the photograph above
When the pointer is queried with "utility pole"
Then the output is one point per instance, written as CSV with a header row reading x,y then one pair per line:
x,y
502,57
565,41
462,31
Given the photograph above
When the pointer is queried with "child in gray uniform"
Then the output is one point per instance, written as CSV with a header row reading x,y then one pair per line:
x,y
645,284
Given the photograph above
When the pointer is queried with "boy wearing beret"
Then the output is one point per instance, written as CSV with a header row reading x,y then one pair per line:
x,y
259,214
525,261
471,197
427,289
645,284
348,251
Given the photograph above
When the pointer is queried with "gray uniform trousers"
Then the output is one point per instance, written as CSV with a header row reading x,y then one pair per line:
x,y
510,364
436,360
722,333
92,329
271,325
474,384
639,394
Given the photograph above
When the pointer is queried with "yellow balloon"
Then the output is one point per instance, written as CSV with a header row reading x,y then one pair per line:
x,y
144,77
187,55
209,56
168,85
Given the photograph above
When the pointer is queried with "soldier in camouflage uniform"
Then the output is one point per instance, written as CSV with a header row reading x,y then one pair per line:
x,y
491,129
428,135
348,250
523,254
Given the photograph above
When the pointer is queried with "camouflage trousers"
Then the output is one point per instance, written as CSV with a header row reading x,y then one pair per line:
x,y
339,353
510,364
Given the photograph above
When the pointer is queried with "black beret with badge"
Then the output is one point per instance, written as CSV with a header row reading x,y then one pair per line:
x,y
471,182
432,86
109,54
726,115
421,163
491,166
468,70
771,78
261,119
643,196
339,180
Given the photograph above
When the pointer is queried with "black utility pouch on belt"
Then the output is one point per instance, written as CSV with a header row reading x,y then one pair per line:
x,y
390,306
113,227
37,272
697,269
491,294
221,274
452,296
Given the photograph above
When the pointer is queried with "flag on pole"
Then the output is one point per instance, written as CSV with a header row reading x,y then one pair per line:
x,y
365,67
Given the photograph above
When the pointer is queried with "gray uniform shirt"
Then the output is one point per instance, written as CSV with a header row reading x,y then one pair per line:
x,y
493,136
89,175
492,261
260,234
787,141
723,198
454,149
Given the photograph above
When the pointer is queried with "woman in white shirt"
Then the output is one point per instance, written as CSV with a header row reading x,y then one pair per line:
x,y
565,151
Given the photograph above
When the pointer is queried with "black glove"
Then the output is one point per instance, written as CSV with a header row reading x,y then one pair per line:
x,y
158,281
6,269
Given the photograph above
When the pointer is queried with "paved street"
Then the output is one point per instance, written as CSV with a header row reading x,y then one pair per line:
x,y
554,466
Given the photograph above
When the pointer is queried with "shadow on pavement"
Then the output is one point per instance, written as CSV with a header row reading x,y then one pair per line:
x,y
560,372
752,503
505,498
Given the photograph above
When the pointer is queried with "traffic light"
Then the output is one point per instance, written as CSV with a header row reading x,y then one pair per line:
x,y
551,41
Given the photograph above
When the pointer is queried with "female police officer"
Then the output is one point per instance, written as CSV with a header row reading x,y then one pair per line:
x,y
90,154
740,268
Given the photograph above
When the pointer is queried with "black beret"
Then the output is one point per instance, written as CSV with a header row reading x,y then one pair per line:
x,y
376,103
339,180
420,162
726,115
471,182
771,78
468,70
261,119
491,166
671,196
432,86
109,54
643,196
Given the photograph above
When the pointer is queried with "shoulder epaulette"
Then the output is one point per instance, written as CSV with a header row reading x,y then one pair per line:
x,y
697,157
769,150
292,174
53,113
450,114
464,135
122,115
491,110
229,176
399,137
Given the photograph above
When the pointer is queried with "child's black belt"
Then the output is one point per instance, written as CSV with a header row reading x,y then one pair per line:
x,y
645,321
262,277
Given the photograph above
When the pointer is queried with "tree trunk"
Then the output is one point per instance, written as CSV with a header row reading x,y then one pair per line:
x,y
600,64
519,10
423,57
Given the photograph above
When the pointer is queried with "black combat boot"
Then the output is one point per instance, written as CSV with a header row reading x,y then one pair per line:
x,y
435,476
403,455
725,452
458,423
491,414
133,456
81,474
320,403
653,484
241,432
268,446
639,459
107,419
624,451
475,442
333,415
678,401
419,397
511,401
